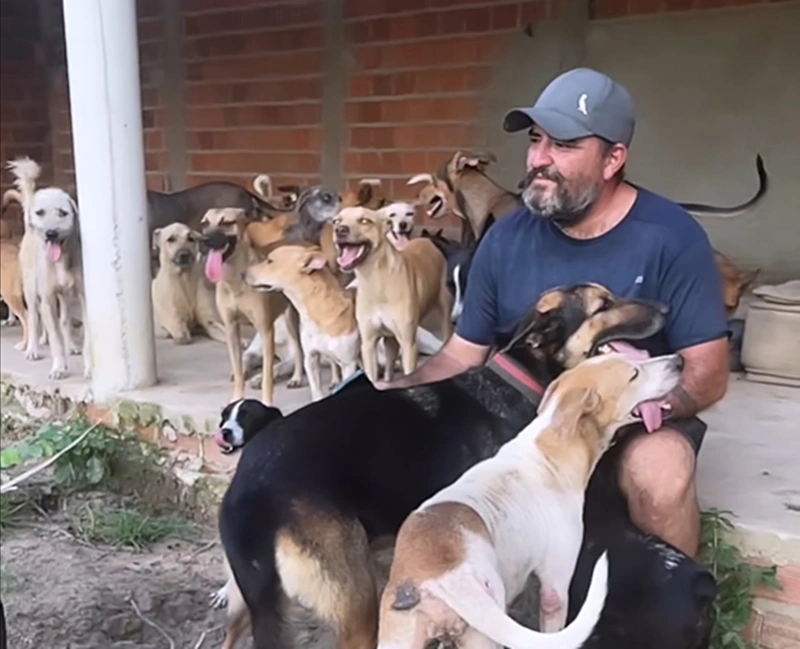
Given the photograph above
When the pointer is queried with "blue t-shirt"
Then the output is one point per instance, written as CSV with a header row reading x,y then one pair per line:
x,y
657,252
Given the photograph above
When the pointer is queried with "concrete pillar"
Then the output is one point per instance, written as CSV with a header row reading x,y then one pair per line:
x,y
105,102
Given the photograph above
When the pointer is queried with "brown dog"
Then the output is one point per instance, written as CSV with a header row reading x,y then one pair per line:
x,y
11,283
182,301
230,254
397,289
734,282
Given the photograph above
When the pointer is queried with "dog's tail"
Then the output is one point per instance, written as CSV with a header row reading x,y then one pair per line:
x,y
26,172
481,612
262,184
9,197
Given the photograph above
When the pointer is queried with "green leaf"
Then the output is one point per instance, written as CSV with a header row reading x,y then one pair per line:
x,y
9,457
95,470
63,474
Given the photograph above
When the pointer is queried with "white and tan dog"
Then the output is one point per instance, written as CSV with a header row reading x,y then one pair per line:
x,y
52,270
182,301
328,327
398,290
465,554
403,218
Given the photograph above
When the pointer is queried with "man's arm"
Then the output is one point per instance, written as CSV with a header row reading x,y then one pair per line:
x,y
469,346
696,328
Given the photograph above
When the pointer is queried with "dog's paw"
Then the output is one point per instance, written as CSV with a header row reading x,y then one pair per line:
x,y
255,382
57,373
294,383
33,355
185,339
75,351
20,346
219,598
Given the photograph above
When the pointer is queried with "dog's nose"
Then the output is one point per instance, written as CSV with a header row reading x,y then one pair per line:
x,y
342,230
679,362
327,197
51,235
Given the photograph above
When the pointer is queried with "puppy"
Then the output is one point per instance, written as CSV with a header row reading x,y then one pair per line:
x,y
182,301
397,289
52,272
229,254
465,554
402,217
328,325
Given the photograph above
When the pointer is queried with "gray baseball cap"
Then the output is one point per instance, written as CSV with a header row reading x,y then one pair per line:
x,y
579,103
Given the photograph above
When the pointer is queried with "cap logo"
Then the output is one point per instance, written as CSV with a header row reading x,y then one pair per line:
x,y
582,104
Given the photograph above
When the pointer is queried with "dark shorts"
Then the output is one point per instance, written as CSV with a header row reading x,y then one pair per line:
x,y
692,428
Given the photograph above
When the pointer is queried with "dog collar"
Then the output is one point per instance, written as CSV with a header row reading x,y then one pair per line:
x,y
512,373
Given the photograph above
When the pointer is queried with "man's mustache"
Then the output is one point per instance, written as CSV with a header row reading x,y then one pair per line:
x,y
549,173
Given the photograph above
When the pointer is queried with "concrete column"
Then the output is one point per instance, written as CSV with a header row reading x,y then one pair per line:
x,y
105,102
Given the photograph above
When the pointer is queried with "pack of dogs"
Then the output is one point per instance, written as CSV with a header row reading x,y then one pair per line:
x,y
476,482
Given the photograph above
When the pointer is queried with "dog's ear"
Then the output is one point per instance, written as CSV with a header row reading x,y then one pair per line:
x,y
314,261
421,178
368,189
73,205
535,330
480,161
572,405
155,240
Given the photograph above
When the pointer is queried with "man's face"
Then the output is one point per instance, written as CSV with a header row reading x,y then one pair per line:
x,y
564,179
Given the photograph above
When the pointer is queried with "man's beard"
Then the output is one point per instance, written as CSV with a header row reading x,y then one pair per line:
x,y
568,205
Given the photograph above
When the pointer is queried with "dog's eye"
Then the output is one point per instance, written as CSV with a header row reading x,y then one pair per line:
x,y
62,213
364,221
635,375
171,238
191,238
39,212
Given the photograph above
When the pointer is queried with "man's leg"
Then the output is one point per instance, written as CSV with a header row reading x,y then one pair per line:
x,y
657,478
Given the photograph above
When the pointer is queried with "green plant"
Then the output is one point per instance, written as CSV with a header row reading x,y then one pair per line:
x,y
87,464
736,579
127,527
10,507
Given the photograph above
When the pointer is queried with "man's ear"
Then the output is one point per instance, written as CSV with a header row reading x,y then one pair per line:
x,y
314,261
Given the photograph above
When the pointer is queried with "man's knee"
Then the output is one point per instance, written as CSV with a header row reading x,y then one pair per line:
x,y
657,470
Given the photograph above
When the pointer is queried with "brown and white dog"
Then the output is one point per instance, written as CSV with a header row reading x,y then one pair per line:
x,y
52,271
11,281
182,301
397,289
465,554
403,218
230,254
328,327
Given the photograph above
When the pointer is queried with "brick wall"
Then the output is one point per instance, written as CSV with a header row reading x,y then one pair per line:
x,y
24,118
253,83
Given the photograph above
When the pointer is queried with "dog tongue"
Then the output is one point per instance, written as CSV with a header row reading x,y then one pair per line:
x,y
214,265
401,240
53,251
650,411
348,256
219,439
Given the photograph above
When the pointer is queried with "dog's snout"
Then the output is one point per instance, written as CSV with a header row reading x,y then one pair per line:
x,y
185,256
403,226
342,230
327,197
51,235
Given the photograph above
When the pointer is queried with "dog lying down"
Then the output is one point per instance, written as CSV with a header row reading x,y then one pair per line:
x,y
313,489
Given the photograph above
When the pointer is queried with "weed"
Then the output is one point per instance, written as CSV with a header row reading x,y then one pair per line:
x,y
736,579
127,527
10,508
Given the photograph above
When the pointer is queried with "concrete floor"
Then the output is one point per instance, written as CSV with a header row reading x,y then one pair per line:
x,y
745,465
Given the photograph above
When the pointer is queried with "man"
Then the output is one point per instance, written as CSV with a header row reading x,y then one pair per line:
x,y
583,222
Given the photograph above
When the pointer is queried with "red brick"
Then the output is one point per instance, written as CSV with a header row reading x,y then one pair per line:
x,y
151,30
466,21
678,5
640,7
256,67
506,16
256,140
254,163
533,12
153,141
779,632
610,8
276,16
361,8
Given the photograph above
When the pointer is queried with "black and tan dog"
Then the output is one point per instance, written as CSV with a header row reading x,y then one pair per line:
x,y
316,487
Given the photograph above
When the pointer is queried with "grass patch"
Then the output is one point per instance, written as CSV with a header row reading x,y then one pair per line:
x,y
126,527
736,579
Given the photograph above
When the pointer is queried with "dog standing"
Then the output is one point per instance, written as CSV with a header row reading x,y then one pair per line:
x,y
52,272
397,289
11,289
229,255
328,325
465,554
181,299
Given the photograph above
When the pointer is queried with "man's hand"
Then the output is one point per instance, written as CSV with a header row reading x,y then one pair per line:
x,y
704,380
455,357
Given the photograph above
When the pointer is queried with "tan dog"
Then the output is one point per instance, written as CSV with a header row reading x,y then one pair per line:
x,y
230,254
328,325
369,194
182,301
11,285
465,554
734,282
397,289
52,270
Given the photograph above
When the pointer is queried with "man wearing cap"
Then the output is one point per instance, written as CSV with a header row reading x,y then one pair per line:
x,y
582,222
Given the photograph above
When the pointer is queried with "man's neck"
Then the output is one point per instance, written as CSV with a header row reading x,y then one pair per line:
x,y
613,205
